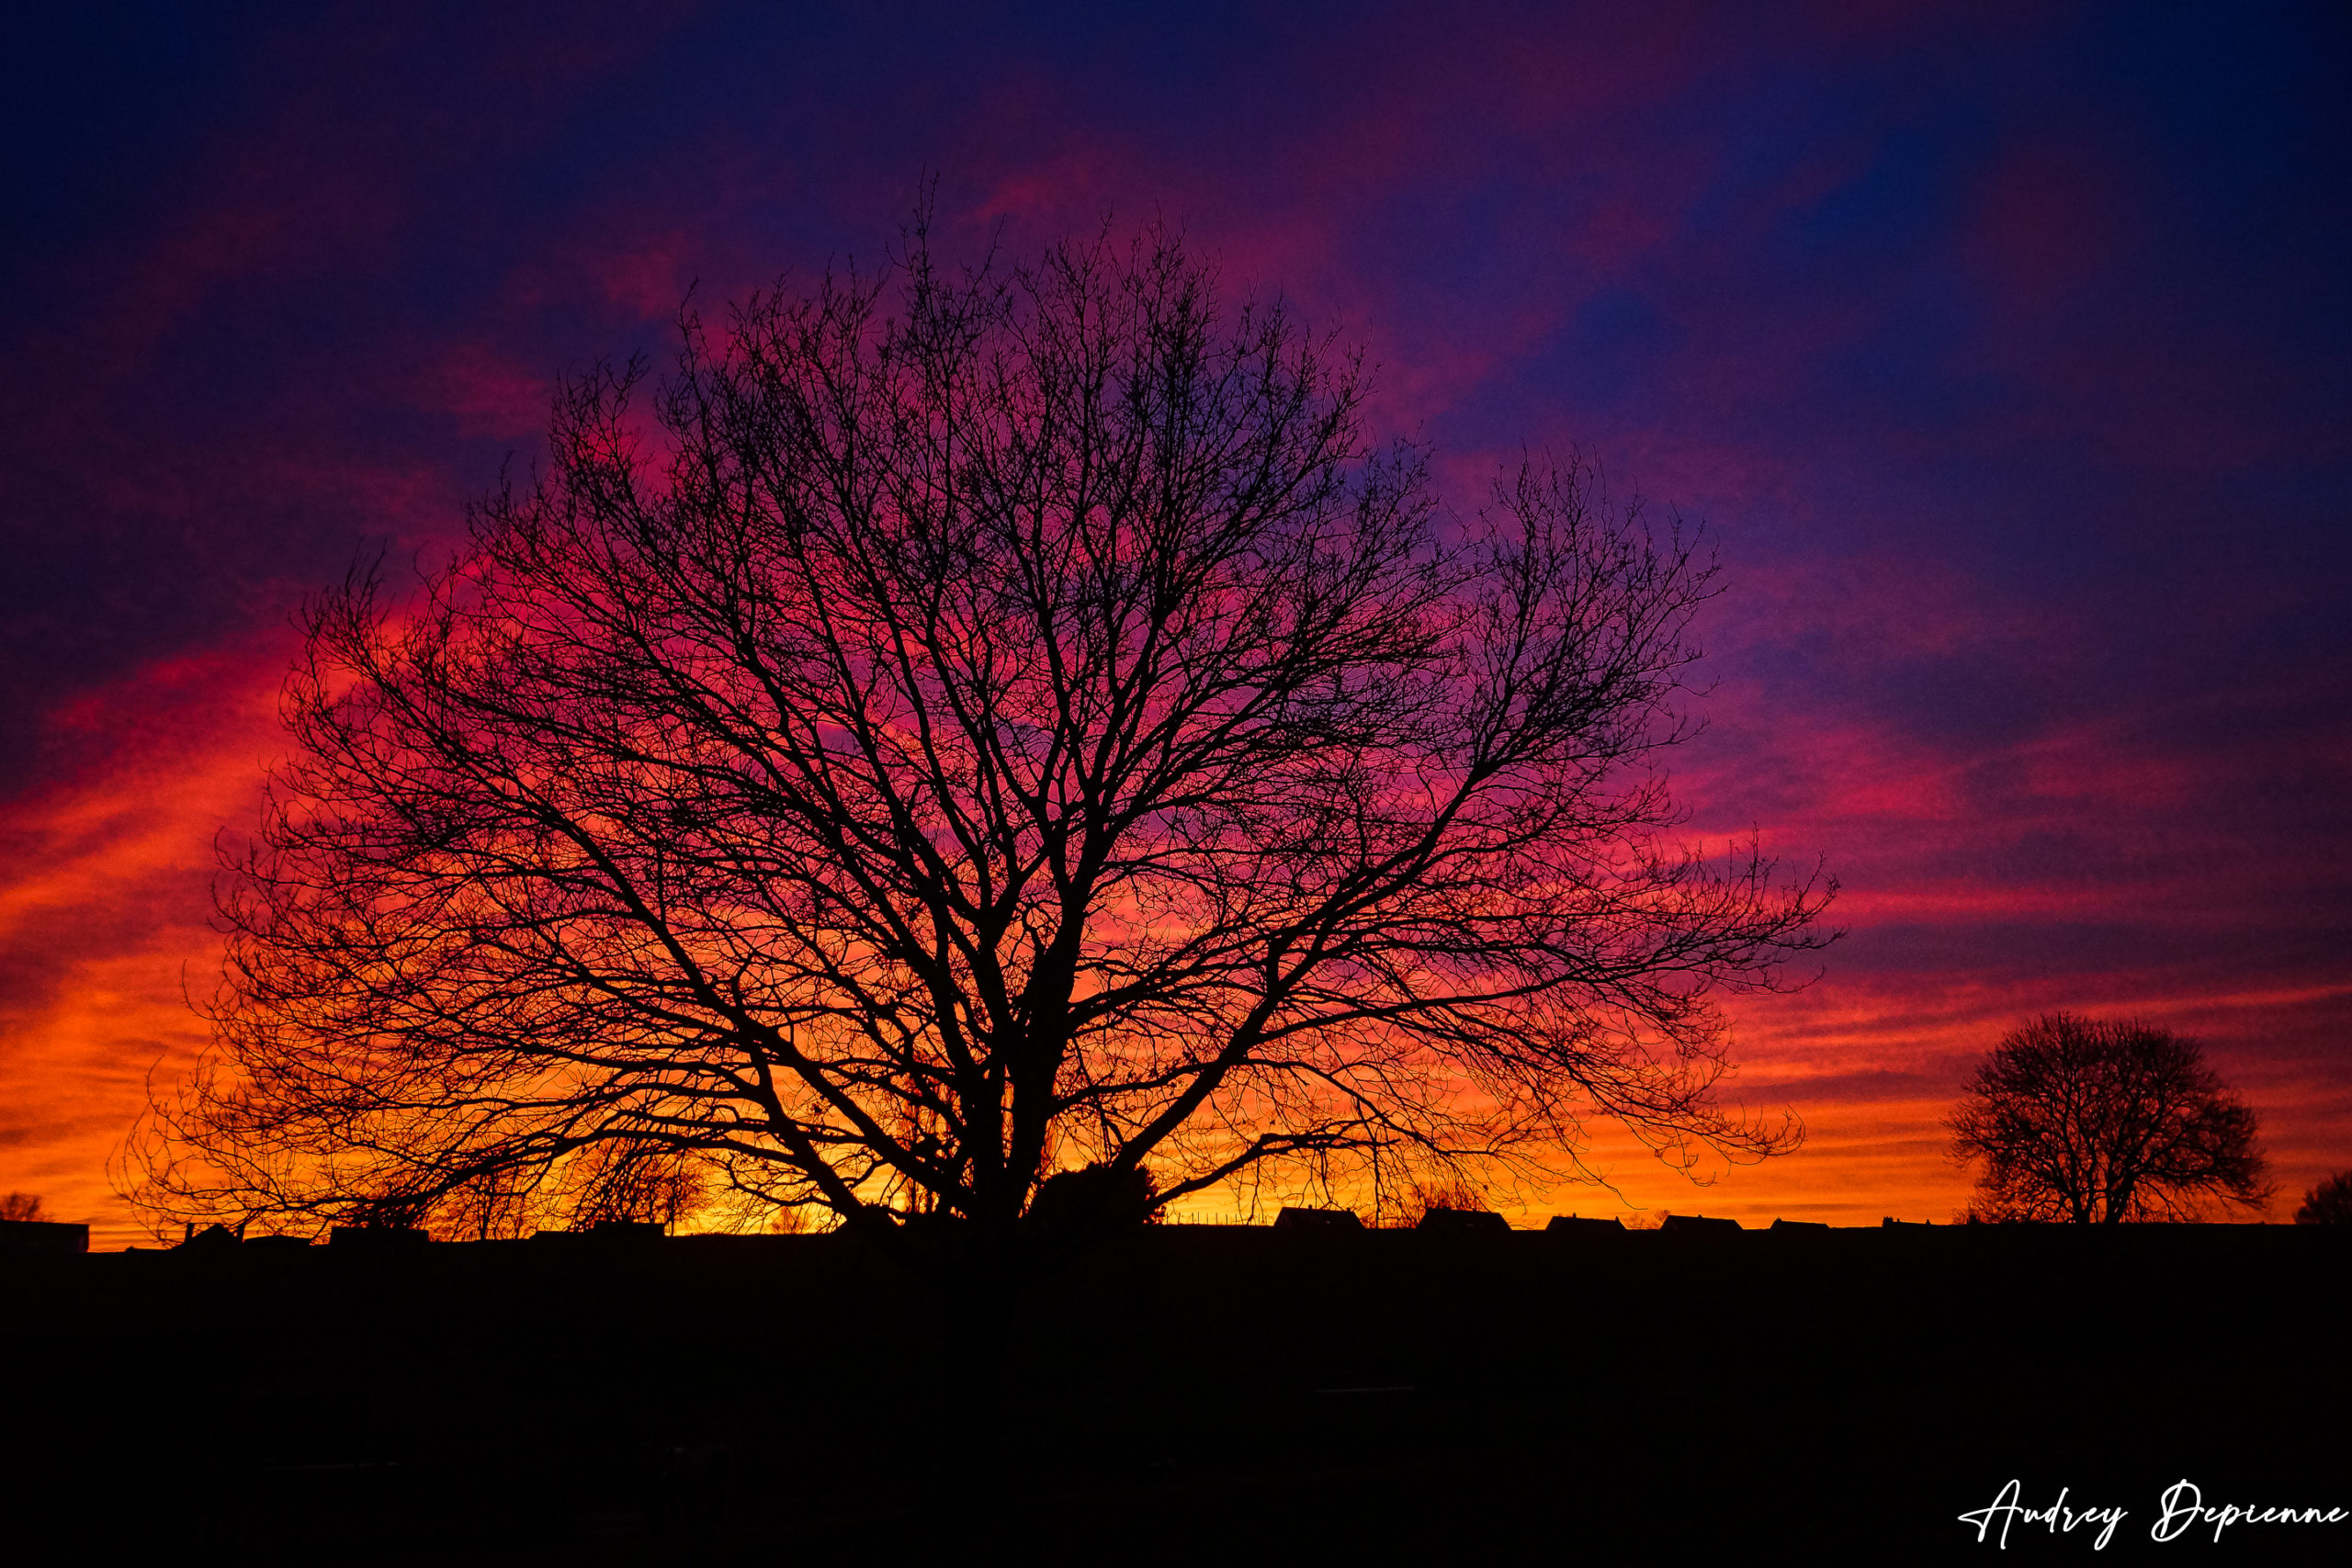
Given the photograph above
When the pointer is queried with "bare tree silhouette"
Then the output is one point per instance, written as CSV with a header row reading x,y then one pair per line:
x,y
22,1206
2096,1122
2329,1202
1443,1190
1027,732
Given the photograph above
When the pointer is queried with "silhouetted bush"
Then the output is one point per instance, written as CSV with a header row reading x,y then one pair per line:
x,y
1446,1190
1097,1198
2329,1204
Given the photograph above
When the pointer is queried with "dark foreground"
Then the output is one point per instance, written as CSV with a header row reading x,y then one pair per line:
x,y
1191,1395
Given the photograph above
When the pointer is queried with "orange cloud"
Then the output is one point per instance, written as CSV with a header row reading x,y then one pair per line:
x,y
104,904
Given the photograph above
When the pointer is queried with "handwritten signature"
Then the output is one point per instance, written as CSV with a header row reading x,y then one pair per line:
x,y
2181,1510
2058,1516
2180,1516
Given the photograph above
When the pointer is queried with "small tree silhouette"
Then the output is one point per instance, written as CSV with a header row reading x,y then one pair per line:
x,y
1096,1198
386,1212
2329,1204
1443,1191
635,1180
2095,1123
22,1206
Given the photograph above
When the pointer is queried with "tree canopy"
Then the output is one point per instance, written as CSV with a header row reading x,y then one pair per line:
x,y
2091,1122
959,729
2328,1203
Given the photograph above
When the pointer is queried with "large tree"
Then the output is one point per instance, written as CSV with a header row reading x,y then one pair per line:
x,y
2092,1122
980,725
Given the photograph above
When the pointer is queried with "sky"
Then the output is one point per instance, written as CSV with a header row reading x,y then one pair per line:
x,y
2004,351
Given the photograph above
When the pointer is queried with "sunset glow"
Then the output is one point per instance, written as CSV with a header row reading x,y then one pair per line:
x,y
2004,353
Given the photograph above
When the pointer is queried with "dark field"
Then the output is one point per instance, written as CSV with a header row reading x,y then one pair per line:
x,y
1188,1394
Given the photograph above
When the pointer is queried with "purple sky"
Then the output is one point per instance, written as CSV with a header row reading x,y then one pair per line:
x,y
2006,352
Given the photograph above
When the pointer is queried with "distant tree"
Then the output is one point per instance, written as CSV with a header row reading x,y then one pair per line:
x,y
1092,1199
2329,1204
2075,1120
385,1211
642,1179
22,1206
1029,733
1420,1193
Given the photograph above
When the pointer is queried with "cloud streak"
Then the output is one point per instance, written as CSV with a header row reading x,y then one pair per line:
x,y
2003,354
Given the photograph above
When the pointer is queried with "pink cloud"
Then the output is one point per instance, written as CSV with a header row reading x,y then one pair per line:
x,y
105,907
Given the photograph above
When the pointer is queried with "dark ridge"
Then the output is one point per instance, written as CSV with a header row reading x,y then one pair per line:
x,y
1187,1390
